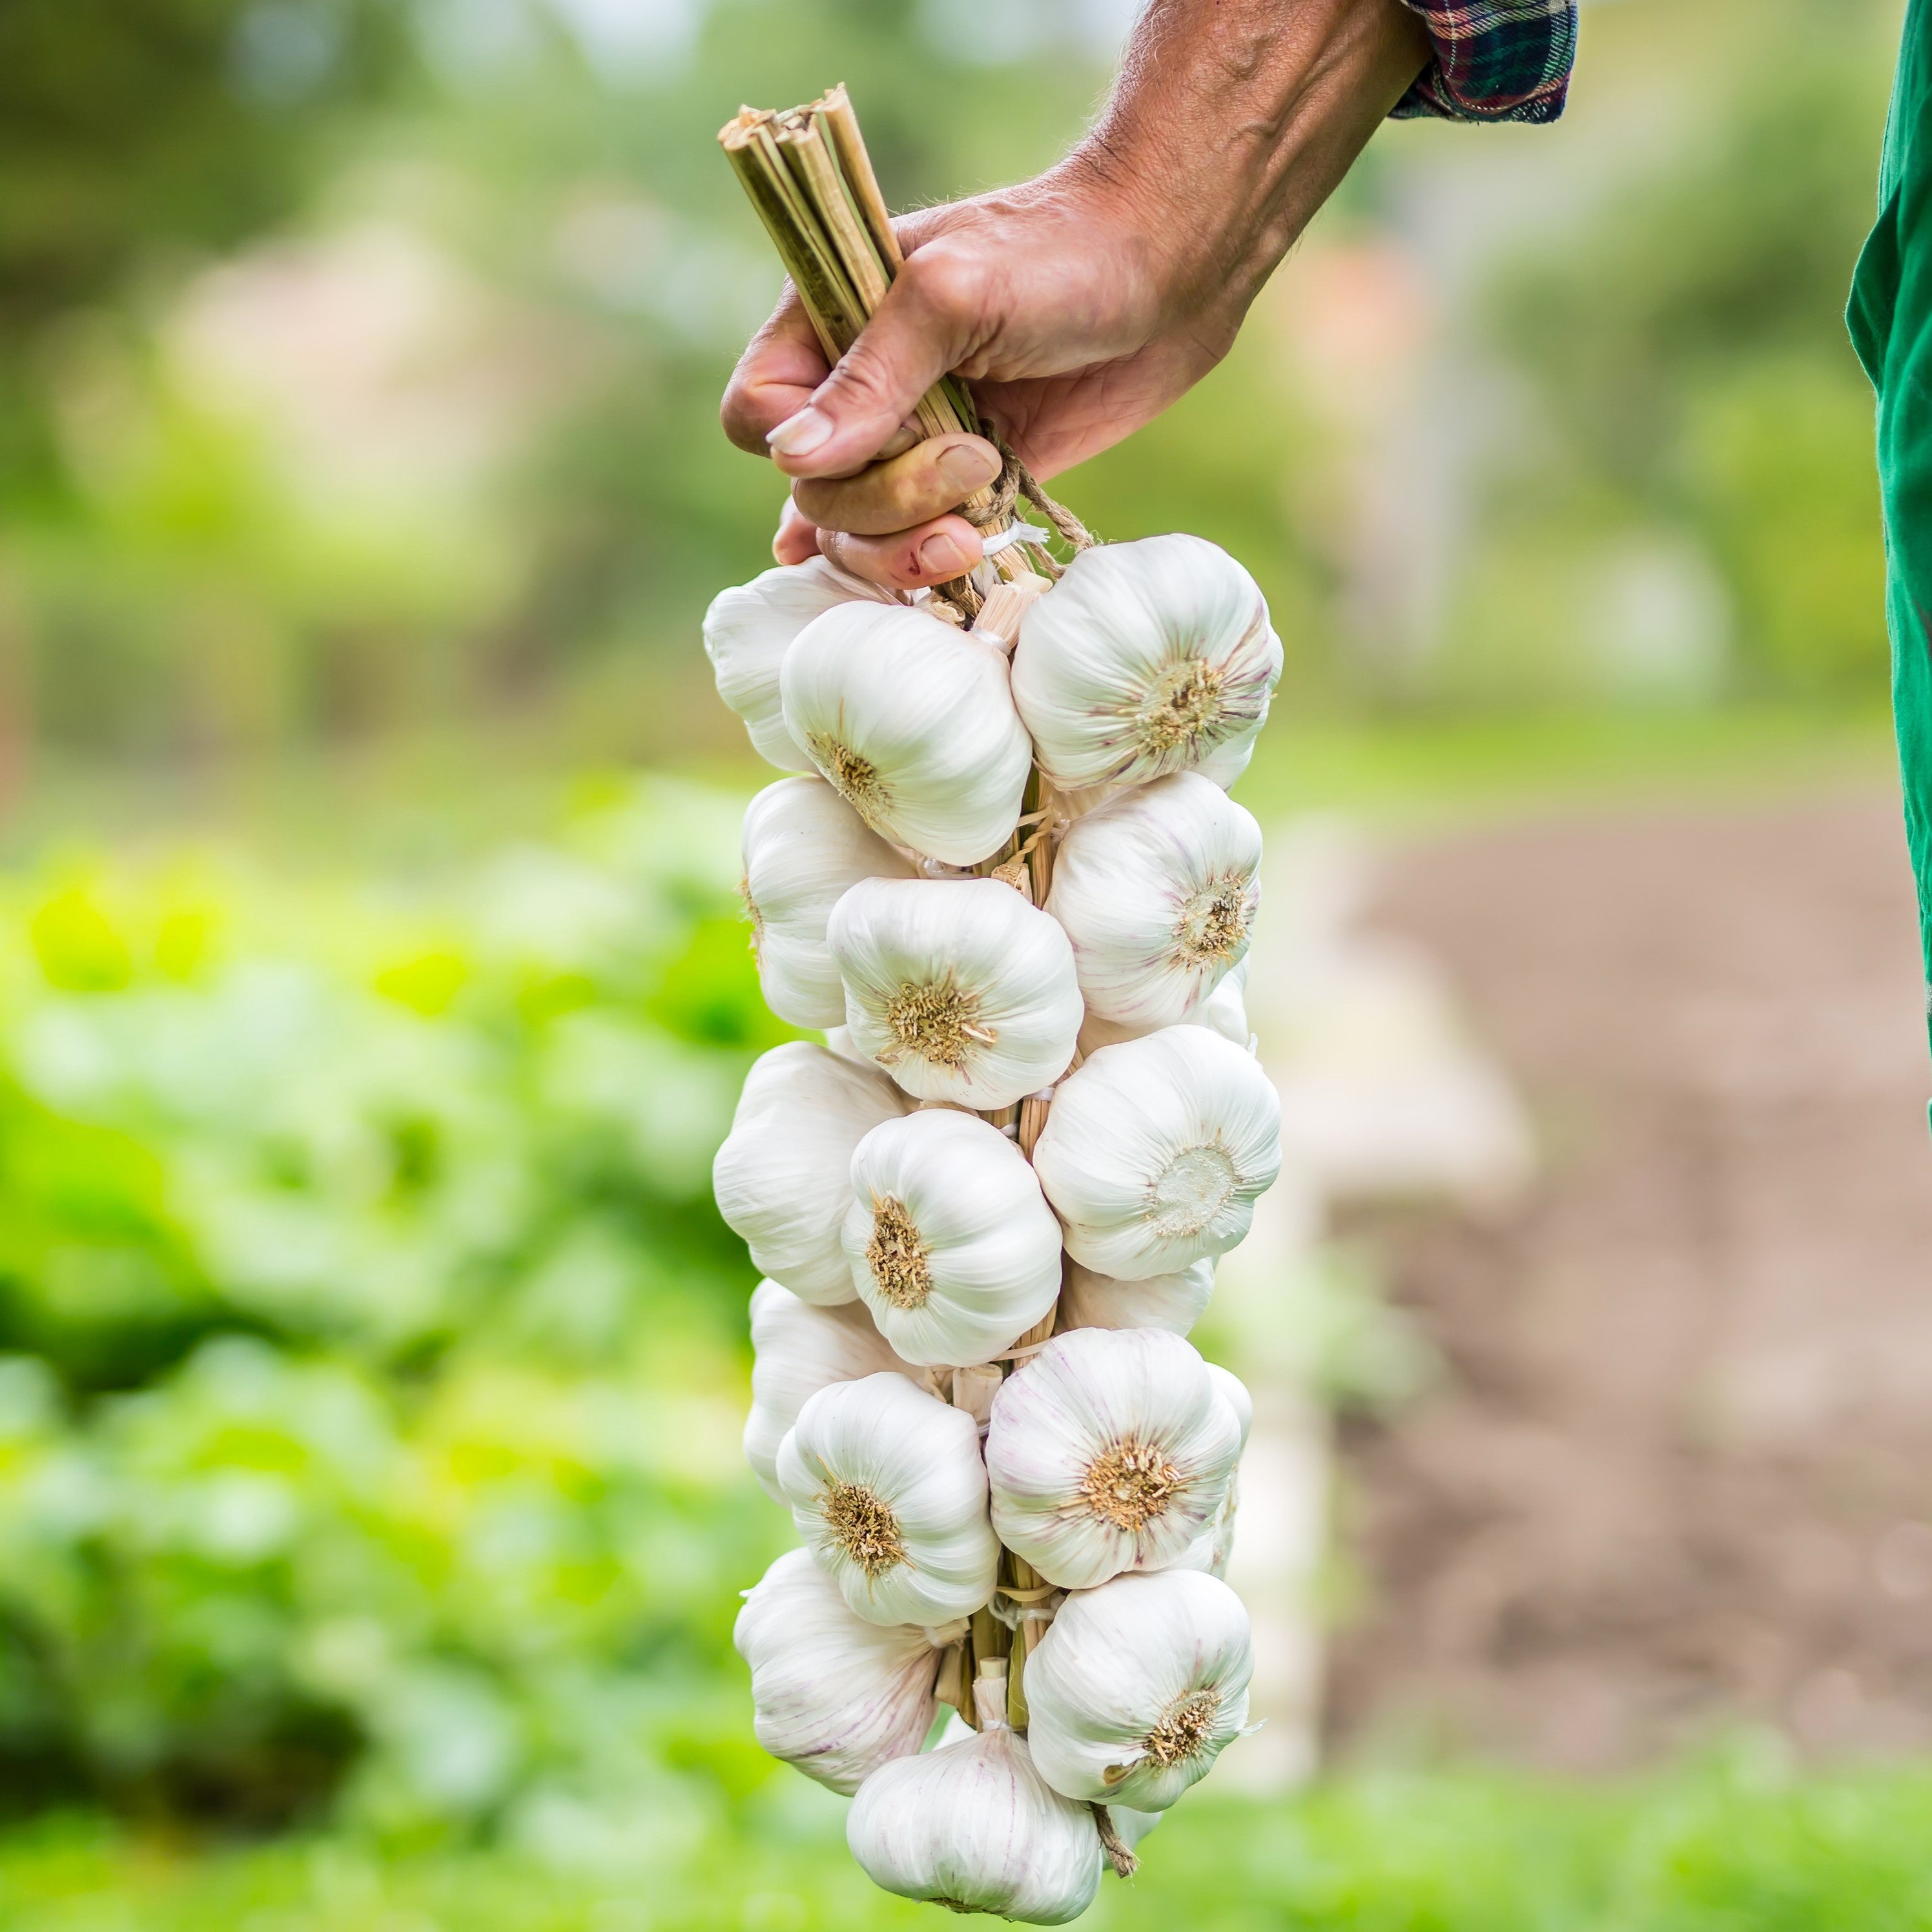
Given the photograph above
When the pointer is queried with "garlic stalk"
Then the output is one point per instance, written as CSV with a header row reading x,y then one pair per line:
x,y
783,1176
748,629
958,988
798,1349
804,849
1147,658
1174,1302
952,1244
973,1826
1111,1450
832,1693
1137,1686
913,723
1157,1150
1157,890
888,1491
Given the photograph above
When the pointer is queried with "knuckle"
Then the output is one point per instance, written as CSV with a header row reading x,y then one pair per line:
x,y
948,278
864,380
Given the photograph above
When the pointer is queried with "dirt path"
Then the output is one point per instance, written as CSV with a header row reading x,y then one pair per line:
x,y
1678,1467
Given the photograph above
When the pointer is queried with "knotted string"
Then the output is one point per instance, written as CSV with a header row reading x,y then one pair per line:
x,y
1015,480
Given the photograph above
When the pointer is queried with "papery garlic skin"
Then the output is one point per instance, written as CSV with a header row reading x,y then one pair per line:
x,y
1156,1150
1137,1686
958,988
913,723
797,1349
974,1827
951,1245
888,1492
749,629
1174,1302
804,848
1220,1541
1224,1010
783,1177
832,1693
1111,1450
1145,659
1158,891
1235,1392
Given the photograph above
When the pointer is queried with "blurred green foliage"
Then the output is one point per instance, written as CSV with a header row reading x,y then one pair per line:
x,y
133,136
1694,384
367,355
369,1349
1733,1842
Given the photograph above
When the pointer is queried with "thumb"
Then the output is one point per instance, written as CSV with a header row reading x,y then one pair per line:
x,y
930,321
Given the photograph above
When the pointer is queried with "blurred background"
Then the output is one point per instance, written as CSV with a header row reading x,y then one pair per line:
x,y
372,993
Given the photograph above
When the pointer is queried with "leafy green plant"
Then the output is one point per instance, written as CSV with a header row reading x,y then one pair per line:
x,y
368,1416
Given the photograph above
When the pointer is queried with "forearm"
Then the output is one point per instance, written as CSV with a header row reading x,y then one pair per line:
x,y
1234,120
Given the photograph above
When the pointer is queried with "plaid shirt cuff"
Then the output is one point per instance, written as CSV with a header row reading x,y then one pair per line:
x,y
1496,60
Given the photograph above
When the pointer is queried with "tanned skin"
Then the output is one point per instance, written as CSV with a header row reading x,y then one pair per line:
x,y
1079,305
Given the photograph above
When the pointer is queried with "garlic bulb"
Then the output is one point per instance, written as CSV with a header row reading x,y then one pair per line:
x,y
1224,1010
798,1349
1111,1449
804,848
1235,1392
783,1177
832,1693
1174,1302
1218,1546
1147,658
748,629
913,723
958,988
1137,1686
1210,1552
973,1826
1156,1150
887,1489
952,1244
1157,891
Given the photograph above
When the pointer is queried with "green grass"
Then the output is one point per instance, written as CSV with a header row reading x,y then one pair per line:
x,y
1423,768
1729,1844
415,799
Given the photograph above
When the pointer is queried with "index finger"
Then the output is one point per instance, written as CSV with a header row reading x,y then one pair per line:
x,y
781,366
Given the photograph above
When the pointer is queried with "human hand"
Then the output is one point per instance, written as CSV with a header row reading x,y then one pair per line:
x,y
1081,305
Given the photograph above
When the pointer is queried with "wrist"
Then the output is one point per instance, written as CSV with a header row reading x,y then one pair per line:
x,y
1231,123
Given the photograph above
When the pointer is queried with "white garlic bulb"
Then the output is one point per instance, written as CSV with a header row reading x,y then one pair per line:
x,y
748,629
1224,1010
1156,1150
1158,891
1235,1392
913,723
1111,1450
783,1176
952,1245
958,988
832,1693
1147,658
1212,1549
804,849
798,1349
1137,1686
888,1491
1174,1302
973,1826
